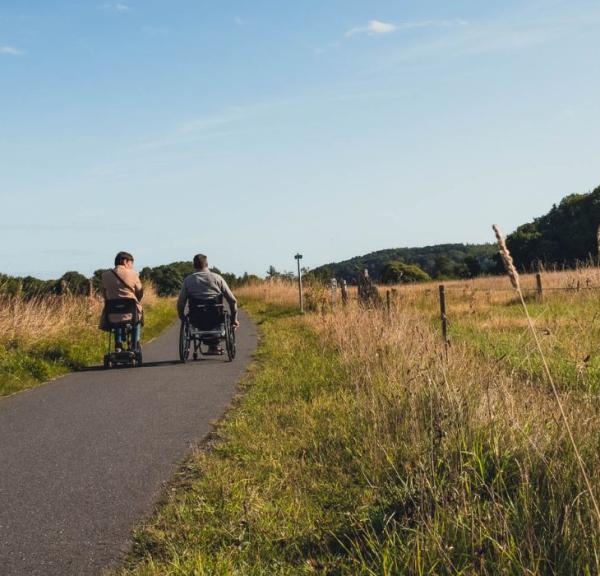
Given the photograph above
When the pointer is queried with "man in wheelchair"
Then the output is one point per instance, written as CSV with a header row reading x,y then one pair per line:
x,y
206,321
123,313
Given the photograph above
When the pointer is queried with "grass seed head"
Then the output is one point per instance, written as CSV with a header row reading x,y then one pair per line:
x,y
507,258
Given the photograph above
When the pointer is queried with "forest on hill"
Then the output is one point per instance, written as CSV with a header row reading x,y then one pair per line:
x,y
439,261
566,235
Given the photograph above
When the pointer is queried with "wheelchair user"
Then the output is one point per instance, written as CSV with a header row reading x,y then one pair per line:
x,y
204,284
123,282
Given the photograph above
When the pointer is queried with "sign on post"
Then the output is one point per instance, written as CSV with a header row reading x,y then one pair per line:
x,y
299,257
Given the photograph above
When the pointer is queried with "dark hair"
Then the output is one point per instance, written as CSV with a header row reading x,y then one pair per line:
x,y
200,261
122,257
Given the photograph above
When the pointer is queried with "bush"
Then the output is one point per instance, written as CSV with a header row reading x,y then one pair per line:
x,y
395,272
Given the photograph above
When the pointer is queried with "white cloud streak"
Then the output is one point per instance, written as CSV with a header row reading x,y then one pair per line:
x,y
379,28
116,7
10,51
373,28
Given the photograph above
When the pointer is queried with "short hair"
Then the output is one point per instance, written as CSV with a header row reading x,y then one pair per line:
x,y
200,261
122,257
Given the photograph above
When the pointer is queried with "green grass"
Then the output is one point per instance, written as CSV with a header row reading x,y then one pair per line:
x,y
569,329
23,365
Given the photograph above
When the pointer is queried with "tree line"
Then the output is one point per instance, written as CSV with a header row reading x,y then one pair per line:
x,y
167,279
396,265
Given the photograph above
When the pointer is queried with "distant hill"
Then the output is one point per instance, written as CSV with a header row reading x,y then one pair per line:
x,y
441,260
565,235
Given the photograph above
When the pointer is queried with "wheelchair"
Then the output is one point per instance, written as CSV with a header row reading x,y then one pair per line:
x,y
206,323
132,355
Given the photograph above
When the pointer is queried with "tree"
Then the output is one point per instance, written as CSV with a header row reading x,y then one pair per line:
x,y
395,272
473,266
272,272
443,266
76,283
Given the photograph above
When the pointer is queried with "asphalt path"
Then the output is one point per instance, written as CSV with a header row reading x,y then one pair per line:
x,y
84,459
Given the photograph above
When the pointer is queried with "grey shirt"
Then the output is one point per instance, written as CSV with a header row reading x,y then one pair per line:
x,y
205,284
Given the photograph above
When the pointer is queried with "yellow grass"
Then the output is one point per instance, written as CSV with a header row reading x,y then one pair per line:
x,y
276,291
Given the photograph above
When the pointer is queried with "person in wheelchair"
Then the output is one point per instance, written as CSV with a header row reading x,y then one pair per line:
x,y
123,283
204,285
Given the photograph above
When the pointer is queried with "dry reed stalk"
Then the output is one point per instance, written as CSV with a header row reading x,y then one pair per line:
x,y
514,278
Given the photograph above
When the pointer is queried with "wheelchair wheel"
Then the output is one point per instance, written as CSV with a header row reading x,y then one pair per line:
x,y
230,339
184,341
138,357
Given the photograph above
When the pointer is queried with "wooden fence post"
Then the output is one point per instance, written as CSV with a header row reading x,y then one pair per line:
x,y
344,292
539,286
333,293
443,315
91,288
388,302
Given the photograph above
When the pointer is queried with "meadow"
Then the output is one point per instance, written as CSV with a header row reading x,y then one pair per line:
x,y
362,447
44,337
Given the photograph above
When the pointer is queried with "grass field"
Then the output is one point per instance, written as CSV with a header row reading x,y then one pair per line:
x,y
359,448
47,337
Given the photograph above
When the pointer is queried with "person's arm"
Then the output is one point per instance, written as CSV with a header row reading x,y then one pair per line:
x,y
228,294
181,301
138,288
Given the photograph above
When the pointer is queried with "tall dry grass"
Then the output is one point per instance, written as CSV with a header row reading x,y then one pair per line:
x,y
45,317
277,292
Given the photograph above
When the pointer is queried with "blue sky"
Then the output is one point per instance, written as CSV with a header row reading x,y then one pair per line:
x,y
253,130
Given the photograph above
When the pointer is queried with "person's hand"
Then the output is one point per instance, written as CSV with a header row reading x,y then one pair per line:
x,y
236,324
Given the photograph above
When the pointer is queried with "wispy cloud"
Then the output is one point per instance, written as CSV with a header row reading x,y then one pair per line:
x,y
480,39
319,50
239,21
379,28
116,7
11,51
221,123
373,28
156,31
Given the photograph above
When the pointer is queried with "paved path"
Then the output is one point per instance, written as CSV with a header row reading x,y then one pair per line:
x,y
83,459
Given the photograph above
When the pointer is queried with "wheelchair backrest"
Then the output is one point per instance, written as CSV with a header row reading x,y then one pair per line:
x,y
206,313
121,311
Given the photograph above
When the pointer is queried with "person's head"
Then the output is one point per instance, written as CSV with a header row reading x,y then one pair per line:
x,y
200,262
124,259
